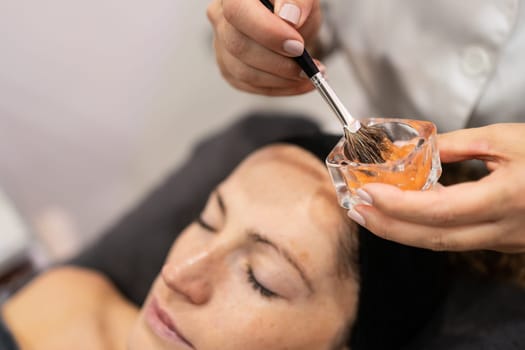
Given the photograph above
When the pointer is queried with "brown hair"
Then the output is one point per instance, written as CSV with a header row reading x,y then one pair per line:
x,y
348,251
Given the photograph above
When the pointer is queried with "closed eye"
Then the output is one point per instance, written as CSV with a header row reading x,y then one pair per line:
x,y
215,199
265,292
200,221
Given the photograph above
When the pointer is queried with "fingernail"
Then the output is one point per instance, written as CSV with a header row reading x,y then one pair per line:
x,y
354,215
293,47
364,196
303,75
290,13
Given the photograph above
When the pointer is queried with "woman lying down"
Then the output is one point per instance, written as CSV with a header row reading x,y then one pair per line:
x,y
272,262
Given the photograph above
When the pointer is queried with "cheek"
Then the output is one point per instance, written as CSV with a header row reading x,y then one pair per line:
x,y
244,322
248,327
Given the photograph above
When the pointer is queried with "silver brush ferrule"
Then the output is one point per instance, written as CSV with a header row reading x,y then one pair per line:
x,y
329,95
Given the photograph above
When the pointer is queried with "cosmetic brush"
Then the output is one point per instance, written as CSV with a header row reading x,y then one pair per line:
x,y
365,144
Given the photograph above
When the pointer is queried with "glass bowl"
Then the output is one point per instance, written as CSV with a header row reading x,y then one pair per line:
x,y
413,165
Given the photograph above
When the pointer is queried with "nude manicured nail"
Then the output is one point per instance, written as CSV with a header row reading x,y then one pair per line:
x,y
293,47
290,13
364,196
354,215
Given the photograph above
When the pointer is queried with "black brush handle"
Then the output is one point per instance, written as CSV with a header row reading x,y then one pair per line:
x,y
305,61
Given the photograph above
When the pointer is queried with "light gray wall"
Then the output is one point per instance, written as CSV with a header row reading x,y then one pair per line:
x,y
99,99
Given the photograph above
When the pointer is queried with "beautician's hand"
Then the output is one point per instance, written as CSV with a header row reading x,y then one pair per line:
x,y
253,46
486,214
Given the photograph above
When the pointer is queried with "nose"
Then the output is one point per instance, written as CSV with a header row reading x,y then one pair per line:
x,y
190,277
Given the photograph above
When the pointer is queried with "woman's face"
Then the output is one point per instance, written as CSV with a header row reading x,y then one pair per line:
x,y
259,268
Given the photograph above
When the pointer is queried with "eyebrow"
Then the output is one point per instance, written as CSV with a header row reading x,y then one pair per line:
x,y
259,238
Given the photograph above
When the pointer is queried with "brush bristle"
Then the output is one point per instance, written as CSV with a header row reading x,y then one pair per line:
x,y
369,144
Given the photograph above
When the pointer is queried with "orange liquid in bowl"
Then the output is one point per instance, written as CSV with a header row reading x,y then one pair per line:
x,y
413,176
411,161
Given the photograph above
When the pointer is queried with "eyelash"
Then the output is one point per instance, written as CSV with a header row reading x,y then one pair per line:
x,y
205,225
265,292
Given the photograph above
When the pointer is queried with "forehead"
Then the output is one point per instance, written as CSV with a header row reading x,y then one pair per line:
x,y
285,175
285,192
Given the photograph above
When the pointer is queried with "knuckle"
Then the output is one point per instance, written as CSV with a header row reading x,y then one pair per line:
x,y
383,230
234,70
508,198
246,75
214,12
501,202
222,66
242,86
236,44
231,10
384,233
442,215
225,72
439,242
239,86
210,12
436,242
287,68
279,91
270,91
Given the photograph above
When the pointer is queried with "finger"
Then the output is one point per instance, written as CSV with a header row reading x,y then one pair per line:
x,y
254,20
466,144
255,55
296,12
271,91
214,12
268,91
461,204
287,88
242,72
459,238
310,28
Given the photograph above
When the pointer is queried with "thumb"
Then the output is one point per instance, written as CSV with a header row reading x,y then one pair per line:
x,y
295,12
465,144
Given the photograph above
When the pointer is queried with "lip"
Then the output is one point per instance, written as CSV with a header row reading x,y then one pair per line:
x,y
162,325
